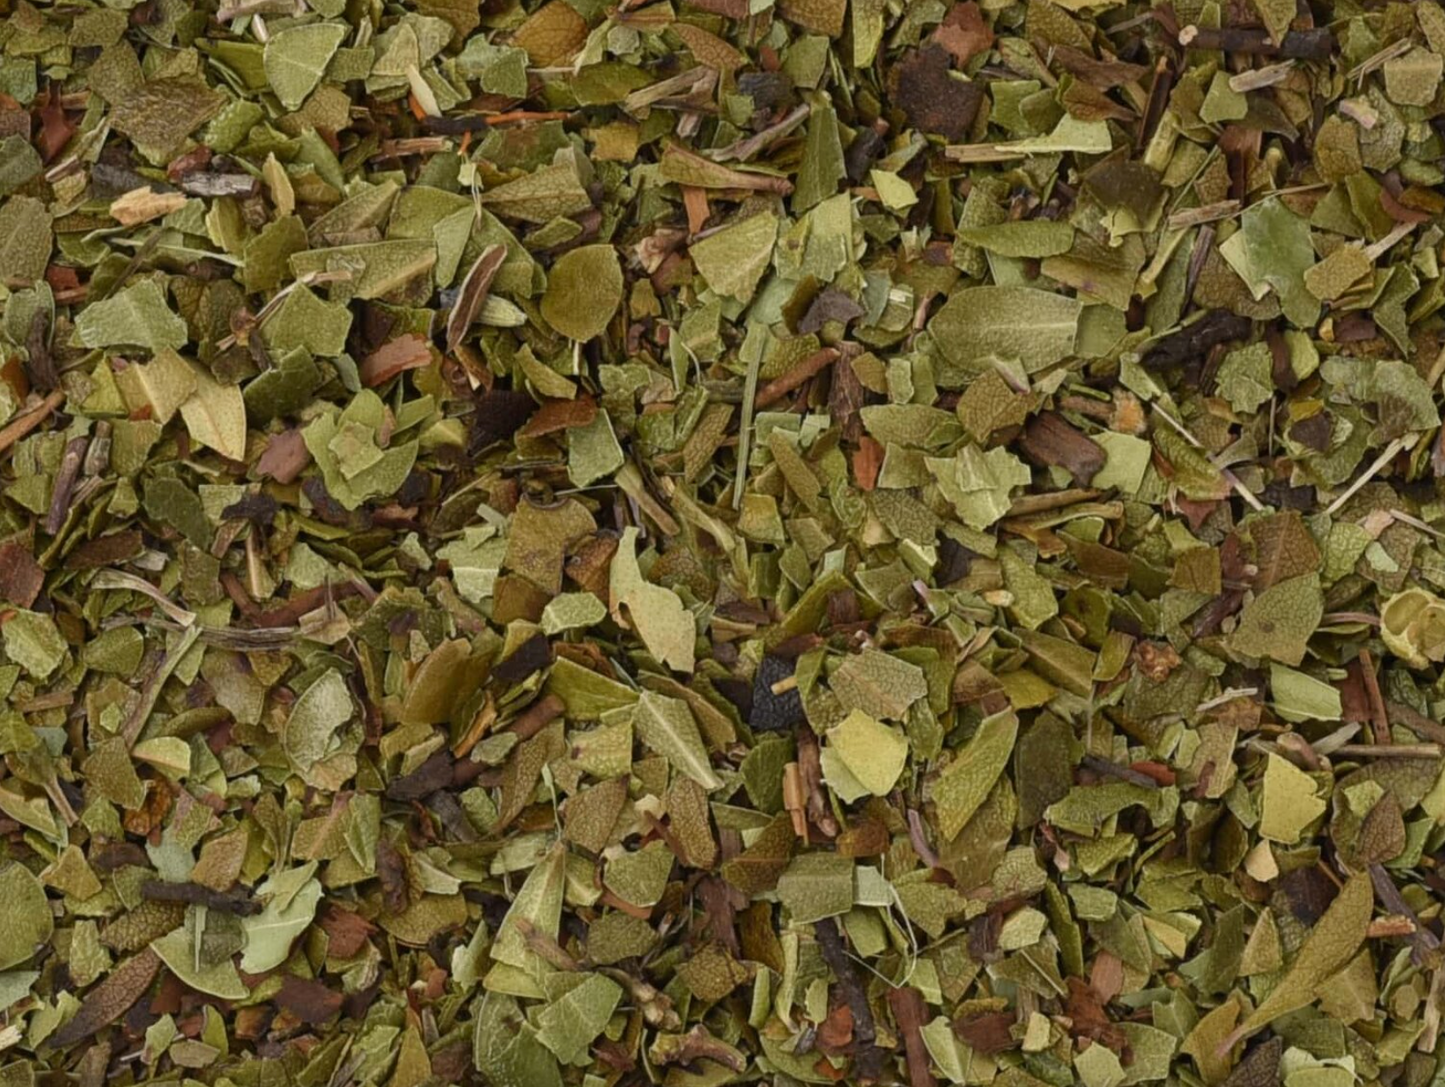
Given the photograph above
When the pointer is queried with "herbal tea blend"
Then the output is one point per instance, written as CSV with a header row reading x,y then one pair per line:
x,y
691,542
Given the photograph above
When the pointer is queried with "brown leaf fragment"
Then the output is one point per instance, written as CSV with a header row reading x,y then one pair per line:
x,y
40,363
988,1033
309,1001
932,99
780,387
237,902
21,577
1193,341
909,1012
1307,892
1382,833
391,870
56,128
1050,439
473,293
434,774
830,305
1089,1017
1260,1066
964,33
285,457
409,352
111,999
870,1058
1101,74
1313,432
559,415
346,931
531,656
499,414
1313,44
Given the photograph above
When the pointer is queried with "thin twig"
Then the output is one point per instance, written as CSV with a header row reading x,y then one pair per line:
x,y
1378,718
1233,480
1391,451
18,428
1389,751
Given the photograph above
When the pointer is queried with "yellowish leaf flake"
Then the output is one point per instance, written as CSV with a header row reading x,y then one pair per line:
x,y
872,752
665,626
1290,801
965,784
215,415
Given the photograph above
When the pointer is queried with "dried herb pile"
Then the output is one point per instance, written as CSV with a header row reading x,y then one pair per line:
x,y
722,541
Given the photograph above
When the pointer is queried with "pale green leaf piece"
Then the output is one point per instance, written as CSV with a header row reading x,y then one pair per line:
x,y
168,381
1033,602
169,754
33,641
296,58
879,684
1272,251
1279,621
640,876
15,985
469,960
1301,697
1404,401
1290,801
1036,328
1070,134
136,315
569,1024
505,1047
290,899
822,164
1128,460
539,904
353,464
26,239
1223,103
215,415
27,922
1338,272
667,726
499,69
734,259
593,451
1022,238
316,718
966,782
584,289
666,627
1414,78
954,1058
871,753
894,191
1152,1051
376,268
1329,946
1276,16
1099,1066
816,886
304,319
541,196
572,611
979,484
1412,626
1246,377
179,952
